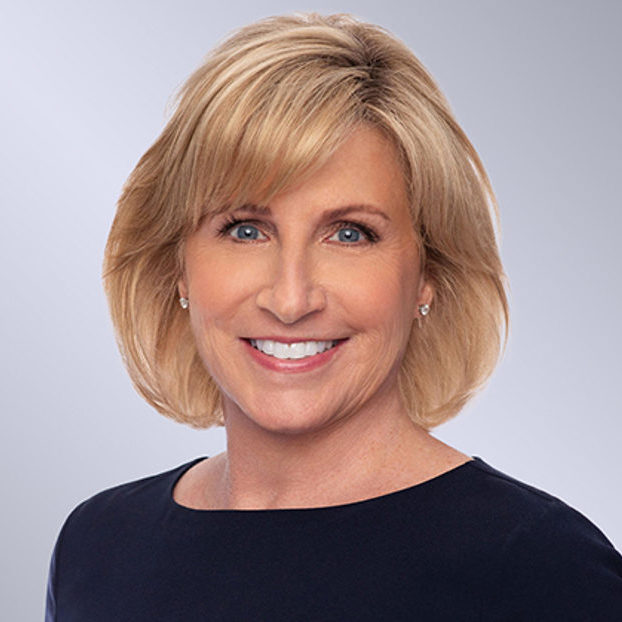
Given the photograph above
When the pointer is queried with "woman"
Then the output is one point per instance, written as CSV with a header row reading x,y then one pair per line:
x,y
307,256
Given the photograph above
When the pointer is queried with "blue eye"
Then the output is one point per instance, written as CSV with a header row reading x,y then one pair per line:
x,y
353,234
348,234
245,232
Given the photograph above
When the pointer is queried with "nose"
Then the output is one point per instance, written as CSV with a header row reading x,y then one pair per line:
x,y
292,292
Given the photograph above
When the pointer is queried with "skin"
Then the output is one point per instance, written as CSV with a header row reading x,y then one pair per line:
x,y
337,433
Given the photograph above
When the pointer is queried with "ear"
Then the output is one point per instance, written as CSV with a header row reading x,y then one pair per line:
x,y
426,295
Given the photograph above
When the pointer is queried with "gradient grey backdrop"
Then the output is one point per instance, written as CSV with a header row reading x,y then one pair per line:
x,y
535,84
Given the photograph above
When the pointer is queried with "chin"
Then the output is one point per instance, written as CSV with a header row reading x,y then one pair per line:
x,y
286,417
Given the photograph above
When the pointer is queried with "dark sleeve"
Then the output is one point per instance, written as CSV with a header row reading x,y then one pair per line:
x,y
50,600
558,567
52,593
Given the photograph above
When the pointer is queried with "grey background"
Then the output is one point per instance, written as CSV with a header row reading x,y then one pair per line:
x,y
85,89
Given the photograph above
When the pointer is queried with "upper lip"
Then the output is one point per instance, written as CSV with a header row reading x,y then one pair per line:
x,y
294,339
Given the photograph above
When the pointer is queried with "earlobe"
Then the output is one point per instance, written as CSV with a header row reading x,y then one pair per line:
x,y
182,291
424,302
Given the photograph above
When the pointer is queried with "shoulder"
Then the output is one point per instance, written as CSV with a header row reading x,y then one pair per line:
x,y
136,490
122,506
507,495
527,515
548,559
105,535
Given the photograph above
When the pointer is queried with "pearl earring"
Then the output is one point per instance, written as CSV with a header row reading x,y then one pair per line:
x,y
184,303
424,309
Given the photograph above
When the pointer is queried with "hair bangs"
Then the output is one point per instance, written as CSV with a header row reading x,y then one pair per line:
x,y
273,118
263,150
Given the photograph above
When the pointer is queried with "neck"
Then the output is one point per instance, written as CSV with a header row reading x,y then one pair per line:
x,y
264,470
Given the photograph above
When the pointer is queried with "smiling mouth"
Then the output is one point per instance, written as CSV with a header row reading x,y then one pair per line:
x,y
297,350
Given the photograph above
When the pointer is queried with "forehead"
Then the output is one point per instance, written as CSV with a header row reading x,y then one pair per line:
x,y
364,171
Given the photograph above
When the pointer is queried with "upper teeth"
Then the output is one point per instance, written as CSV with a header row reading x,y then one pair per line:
x,y
296,350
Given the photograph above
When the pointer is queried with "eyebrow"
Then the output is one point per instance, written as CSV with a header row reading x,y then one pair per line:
x,y
339,212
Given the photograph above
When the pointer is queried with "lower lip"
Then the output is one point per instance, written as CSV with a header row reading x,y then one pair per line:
x,y
293,365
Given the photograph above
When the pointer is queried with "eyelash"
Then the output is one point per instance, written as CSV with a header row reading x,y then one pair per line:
x,y
371,236
232,222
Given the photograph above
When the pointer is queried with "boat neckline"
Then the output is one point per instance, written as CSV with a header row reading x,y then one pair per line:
x,y
442,478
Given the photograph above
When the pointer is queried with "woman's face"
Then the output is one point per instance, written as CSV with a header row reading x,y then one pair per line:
x,y
302,309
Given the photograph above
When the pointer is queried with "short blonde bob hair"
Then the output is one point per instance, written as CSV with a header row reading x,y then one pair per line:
x,y
268,107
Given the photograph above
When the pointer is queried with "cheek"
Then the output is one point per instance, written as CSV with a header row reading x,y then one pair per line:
x,y
380,293
219,288
219,284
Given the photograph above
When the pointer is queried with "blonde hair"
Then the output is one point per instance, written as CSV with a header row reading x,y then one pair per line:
x,y
268,107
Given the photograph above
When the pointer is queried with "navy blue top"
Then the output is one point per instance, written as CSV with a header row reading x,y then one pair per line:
x,y
471,544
